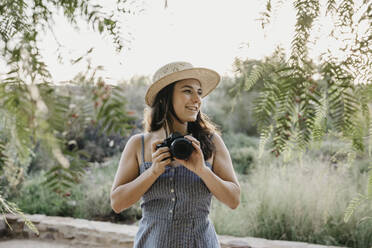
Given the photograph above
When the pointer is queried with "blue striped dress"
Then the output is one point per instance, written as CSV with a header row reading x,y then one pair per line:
x,y
175,211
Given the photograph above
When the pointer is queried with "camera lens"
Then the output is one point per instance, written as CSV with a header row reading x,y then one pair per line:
x,y
181,148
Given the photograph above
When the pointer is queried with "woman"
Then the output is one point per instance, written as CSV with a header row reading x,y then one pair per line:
x,y
176,193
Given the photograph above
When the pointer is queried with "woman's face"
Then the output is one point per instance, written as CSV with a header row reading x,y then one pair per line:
x,y
187,99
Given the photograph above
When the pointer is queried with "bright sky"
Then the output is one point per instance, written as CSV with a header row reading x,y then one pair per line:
x,y
206,33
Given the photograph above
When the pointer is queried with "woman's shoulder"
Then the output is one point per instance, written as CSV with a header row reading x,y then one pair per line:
x,y
215,136
139,138
135,140
217,140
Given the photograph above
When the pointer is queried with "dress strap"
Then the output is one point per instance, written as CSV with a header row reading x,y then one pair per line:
x,y
143,148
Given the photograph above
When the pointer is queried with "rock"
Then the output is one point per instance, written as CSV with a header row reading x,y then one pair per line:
x,y
85,233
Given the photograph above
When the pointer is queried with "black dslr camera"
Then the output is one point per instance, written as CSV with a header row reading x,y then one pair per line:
x,y
179,146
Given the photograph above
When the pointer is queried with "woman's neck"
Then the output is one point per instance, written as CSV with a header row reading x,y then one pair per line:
x,y
176,127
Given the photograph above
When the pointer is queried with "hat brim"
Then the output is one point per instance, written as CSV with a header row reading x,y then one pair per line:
x,y
208,79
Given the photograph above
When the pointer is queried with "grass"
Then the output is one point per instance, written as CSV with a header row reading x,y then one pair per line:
x,y
299,202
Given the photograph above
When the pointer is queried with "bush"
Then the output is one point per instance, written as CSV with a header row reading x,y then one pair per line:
x,y
33,198
244,159
232,114
90,199
96,187
243,151
238,140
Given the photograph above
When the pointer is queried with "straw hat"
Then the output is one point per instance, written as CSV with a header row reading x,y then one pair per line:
x,y
176,71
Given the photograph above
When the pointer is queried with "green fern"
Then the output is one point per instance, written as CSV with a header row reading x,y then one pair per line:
x,y
9,207
300,109
320,119
369,182
111,113
264,138
353,205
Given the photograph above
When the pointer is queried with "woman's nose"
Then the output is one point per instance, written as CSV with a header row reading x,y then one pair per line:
x,y
197,98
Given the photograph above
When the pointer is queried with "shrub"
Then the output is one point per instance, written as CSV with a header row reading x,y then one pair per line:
x,y
243,151
95,200
33,198
90,199
244,159
239,140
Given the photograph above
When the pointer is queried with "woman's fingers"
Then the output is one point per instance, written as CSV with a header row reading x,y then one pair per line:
x,y
162,156
192,139
159,151
165,162
196,146
153,146
195,143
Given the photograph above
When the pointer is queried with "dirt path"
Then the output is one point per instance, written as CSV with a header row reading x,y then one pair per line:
x,y
19,243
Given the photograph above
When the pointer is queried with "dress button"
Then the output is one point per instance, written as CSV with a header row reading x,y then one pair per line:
x,y
170,211
173,199
172,190
171,178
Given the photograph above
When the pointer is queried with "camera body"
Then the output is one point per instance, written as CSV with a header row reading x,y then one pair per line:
x,y
179,146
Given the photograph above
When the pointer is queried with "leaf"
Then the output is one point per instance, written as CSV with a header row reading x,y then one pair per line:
x,y
369,182
353,204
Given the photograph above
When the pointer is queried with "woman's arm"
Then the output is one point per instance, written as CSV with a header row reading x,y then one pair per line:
x,y
129,186
222,181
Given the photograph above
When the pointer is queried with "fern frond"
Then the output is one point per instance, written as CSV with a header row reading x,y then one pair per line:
x,y
370,138
346,12
256,74
353,204
266,15
307,12
320,118
112,113
9,207
331,6
369,182
264,138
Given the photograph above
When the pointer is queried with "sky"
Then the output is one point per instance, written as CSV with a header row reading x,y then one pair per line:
x,y
206,33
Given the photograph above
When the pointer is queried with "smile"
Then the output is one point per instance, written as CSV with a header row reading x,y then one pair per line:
x,y
192,108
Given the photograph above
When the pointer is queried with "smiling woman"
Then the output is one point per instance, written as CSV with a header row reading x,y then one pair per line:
x,y
176,193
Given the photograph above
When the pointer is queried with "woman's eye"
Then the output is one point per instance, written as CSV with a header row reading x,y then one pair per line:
x,y
187,91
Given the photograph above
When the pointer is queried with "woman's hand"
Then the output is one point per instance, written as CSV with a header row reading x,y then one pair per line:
x,y
160,158
195,163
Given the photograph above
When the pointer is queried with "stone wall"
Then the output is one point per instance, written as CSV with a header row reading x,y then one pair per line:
x,y
85,233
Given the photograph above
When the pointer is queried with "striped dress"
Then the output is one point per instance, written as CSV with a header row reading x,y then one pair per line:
x,y
175,211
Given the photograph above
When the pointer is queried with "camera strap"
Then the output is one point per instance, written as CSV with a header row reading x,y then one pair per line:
x,y
166,129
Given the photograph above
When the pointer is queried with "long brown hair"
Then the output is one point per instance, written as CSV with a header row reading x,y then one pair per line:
x,y
160,116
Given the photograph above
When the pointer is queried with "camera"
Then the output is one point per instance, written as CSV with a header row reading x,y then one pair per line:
x,y
179,146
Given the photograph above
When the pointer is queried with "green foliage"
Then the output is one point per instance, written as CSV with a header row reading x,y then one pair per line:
x,y
301,200
293,109
238,140
133,91
33,112
237,118
110,110
88,199
353,204
9,207
34,198
244,159
243,151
